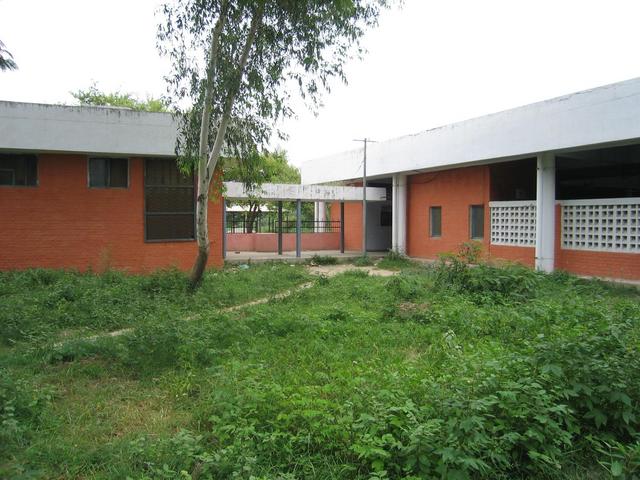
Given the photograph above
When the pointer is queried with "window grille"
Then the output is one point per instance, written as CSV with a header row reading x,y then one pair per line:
x,y
513,223
611,225
169,202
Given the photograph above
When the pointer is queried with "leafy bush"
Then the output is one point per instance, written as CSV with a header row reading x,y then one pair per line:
x,y
487,283
363,261
446,372
395,261
323,260
21,406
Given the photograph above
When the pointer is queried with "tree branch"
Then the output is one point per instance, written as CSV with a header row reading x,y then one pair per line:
x,y
208,92
226,113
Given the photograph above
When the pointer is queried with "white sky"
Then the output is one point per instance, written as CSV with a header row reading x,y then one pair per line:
x,y
429,63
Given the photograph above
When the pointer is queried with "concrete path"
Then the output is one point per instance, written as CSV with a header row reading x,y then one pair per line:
x,y
290,257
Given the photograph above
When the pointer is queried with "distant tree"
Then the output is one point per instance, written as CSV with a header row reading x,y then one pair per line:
x,y
256,169
6,59
94,96
234,63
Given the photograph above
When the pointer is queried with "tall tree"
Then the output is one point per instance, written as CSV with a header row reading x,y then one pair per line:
x,y
6,59
94,96
234,64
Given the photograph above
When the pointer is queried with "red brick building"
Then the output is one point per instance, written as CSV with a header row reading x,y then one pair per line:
x,y
95,188
555,185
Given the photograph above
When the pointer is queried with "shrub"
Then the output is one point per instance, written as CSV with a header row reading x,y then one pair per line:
x,y
323,260
363,261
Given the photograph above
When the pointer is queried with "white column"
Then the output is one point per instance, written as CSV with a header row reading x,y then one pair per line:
x,y
399,214
546,212
322,211
319,215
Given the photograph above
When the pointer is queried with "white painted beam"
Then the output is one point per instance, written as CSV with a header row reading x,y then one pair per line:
x,y
306,193
59,128
546,212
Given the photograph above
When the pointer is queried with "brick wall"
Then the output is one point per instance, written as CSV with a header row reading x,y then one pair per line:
x,y
352,223
268,242
454,191
596,264
62,223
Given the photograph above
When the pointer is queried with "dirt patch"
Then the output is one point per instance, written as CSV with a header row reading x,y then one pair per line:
x,y
331,270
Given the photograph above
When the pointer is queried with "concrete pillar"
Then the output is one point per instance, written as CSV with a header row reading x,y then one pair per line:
x,y
319,216
546,212
298,228
224,228
280,227
341,227
399,214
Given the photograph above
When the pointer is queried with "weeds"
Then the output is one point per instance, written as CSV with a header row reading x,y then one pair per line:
x,y
443,372
323,260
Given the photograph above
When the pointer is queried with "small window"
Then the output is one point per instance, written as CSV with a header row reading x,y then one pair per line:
x,y
18,170
476,222
169,201
385,216
435,221
108,172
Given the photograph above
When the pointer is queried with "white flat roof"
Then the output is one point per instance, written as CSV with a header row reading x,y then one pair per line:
x,y
603,115
85,129
307,193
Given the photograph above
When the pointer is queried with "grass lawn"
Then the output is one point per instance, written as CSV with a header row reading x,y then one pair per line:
x,y
437,372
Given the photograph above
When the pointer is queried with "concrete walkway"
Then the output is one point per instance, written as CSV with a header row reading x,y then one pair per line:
x,y
290,257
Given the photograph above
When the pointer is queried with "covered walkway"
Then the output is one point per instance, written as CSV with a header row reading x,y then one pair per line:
x,y
297,193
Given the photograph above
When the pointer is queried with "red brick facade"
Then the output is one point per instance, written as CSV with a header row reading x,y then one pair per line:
x,y
61,223
596,264
455,191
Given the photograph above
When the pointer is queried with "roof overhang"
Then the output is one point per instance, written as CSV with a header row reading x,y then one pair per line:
x,y
606,115
72,129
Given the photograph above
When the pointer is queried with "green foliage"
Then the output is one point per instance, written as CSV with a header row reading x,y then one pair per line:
x,y
487,283
21,406
395,261
446,372
303,43
263,167
323,260
41,305
94,96
363,261
470,252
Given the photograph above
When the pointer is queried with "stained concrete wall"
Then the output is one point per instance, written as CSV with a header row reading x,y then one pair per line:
x,y
56,128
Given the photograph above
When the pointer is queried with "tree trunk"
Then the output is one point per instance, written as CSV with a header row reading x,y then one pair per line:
x,y
207,164
251,216
202,227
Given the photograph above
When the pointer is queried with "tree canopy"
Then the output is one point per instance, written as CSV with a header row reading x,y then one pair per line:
x,y
94,96
235,64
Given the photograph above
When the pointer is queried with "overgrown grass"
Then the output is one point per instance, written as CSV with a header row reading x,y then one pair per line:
x,y
36,305
441,372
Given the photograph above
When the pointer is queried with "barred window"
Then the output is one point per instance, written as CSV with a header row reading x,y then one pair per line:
x,y
18,170
476,222
109,172
169,201
435,221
